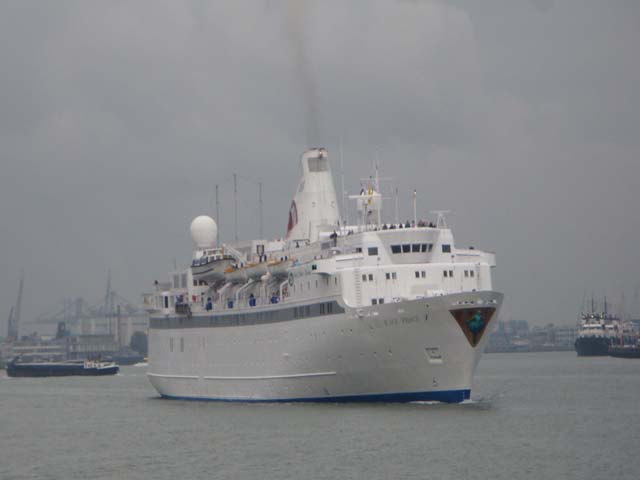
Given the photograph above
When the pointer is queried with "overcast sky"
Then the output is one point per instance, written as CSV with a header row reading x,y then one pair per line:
x,y
117,120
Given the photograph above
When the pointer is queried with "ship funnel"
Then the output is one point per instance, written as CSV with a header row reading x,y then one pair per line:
x,y
314,208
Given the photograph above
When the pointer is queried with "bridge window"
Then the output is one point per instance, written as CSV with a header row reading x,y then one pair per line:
x,y
415,248
451,273
371,277
374,301
466,273
380,301
423,274
394,275
446,274
417,274
373,251
364,278
387,276
446,248
424,247
472,273
396,249
318,164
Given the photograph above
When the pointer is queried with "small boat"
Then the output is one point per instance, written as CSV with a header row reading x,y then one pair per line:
x,y
624,351
18,368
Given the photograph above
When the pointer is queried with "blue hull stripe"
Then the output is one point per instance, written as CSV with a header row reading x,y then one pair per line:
x,y
446,396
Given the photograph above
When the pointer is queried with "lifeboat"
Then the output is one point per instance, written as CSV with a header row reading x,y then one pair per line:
x,y
255,271
211,268
235,275
278,268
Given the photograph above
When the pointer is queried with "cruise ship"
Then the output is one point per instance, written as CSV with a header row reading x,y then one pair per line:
x,y
372,311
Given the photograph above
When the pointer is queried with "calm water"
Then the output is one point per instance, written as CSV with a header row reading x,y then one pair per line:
x,y
533,416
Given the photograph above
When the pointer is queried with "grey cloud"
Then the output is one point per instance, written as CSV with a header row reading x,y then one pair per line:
x,y
117,119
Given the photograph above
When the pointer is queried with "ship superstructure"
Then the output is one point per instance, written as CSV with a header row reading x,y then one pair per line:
x,y
373,311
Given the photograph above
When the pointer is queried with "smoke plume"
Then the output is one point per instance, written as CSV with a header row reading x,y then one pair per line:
x,y
294,24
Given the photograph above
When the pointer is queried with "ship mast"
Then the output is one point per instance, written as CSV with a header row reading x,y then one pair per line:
x,y
14,316
235,206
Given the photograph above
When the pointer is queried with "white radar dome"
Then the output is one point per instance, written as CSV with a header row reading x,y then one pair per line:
x,y
204,231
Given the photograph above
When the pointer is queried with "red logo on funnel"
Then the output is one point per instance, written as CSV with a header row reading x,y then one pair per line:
x,y
293,217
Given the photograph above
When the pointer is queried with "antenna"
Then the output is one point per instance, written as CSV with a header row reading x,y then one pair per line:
x,y
345,213
415,208
235,207
397,211
261,234
218,215
107,296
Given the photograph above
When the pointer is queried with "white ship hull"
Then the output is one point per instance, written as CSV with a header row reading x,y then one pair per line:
x,y
405,351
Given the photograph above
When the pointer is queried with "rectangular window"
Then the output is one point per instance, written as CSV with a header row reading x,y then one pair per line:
x,y
406,248
318,164
329,307
373,251
423,274
396,249
446,274
387,276
374,301
358,249
371,277
415,248
446,248
380,301
451,273
430,247
364,278
424,247
417,274
466,273
472,273
394,275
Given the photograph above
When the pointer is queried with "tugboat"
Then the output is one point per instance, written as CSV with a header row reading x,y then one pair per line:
x,y
19,368
597,332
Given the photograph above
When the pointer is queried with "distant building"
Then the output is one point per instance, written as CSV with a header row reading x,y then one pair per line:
x,y
516,336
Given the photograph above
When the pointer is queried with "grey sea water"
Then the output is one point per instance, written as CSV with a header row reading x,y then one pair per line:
x,y
534,416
